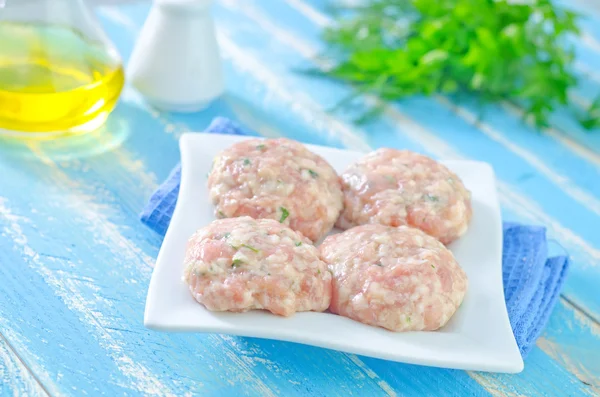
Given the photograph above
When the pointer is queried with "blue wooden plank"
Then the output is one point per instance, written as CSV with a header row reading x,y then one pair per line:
x,y
290,361
51,318
90,292
585,55
304,34
566,330
384,135
107,174
412,379
510,166
139,137
410,369
102,281
15,378
588,12
110,243
587,59
415,370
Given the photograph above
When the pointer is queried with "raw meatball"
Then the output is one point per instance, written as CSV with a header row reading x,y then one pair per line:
x,y
278,179
398,187
239,264
396,278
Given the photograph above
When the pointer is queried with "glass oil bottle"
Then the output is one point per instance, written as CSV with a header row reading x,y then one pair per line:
x,y
59,75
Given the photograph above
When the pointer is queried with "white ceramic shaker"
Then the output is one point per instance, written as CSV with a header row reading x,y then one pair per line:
x,y
176,63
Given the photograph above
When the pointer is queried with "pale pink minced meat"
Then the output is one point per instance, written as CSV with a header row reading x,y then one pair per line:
x,y
397,278
398,187
278,179
239,264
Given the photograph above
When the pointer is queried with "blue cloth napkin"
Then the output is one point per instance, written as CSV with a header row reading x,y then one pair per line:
x,y
532,281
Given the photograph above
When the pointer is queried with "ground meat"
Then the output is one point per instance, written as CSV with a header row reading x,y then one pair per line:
x,y
399,187
396,278
239,264
278,179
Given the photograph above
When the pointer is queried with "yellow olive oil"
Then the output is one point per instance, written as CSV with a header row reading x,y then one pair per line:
x,y
54,80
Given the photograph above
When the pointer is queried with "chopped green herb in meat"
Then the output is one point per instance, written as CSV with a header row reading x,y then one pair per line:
x,y
251,248
284,214
237,263
431,197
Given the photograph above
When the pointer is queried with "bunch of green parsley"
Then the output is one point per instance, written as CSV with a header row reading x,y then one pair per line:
x,y
500,50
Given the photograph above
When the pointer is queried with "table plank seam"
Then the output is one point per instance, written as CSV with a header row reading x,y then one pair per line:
x,y
18,356
579,309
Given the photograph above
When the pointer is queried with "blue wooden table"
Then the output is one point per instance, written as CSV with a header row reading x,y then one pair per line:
x,y
75,262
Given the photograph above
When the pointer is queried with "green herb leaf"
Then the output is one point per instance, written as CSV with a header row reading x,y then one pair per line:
x,y
313,174
261,147
226,235
221,214
284,214
247,162
251,248
237,263
433,267
431,197
500,51
299,243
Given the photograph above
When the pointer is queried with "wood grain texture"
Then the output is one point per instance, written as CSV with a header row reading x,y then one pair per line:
x,y
104,310
15,378
248,64
75,261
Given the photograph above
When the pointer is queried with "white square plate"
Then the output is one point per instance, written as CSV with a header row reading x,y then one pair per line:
x,y
478,337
